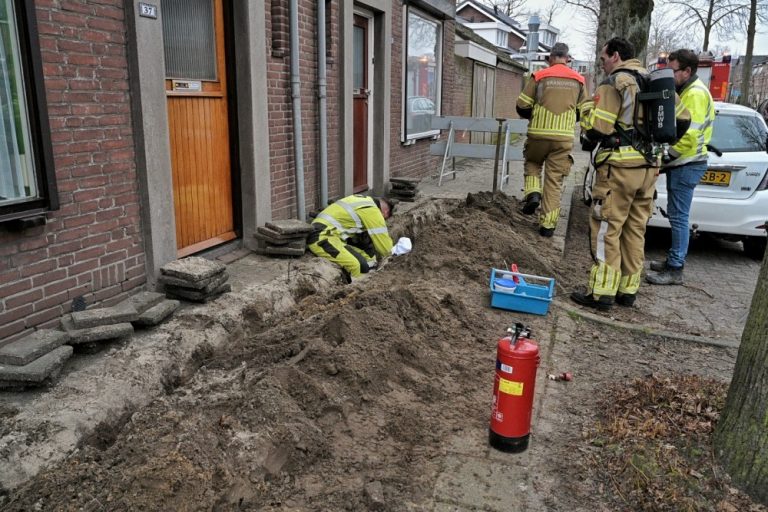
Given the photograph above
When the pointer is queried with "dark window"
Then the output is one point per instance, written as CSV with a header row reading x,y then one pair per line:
x,y
27,184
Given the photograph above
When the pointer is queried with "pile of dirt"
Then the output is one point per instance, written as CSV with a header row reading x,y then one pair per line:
x,y
353,391
347,402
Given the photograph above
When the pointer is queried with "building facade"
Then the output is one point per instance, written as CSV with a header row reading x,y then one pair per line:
x,y
140,132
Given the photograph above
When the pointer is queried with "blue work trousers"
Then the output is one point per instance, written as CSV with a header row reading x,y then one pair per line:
x,y
680,184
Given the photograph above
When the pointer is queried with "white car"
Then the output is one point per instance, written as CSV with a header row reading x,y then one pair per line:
x,y
731,200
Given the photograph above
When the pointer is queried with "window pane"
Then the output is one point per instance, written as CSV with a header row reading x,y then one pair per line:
x,y
358,66
738,133
422,73
18,181
189,39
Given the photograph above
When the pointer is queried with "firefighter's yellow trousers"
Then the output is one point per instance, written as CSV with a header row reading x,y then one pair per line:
x,y
555,157
622,202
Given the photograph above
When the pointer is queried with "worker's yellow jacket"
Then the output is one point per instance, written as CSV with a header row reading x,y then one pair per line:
x,y
692,147
353,215
612,106
549,100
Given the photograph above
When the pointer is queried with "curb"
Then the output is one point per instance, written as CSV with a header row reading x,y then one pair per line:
x,y
644,329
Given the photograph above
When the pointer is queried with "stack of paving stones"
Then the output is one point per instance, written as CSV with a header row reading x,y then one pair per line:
x,y
89,330
404,189
34,360
282,237
194,279
152,308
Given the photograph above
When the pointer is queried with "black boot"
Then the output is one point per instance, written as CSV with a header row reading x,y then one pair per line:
x,y
659,265
670,275
585,298
626,299
546,232
532,202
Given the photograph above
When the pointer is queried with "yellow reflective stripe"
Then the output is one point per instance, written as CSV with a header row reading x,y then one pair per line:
x,y
549,220
630,284
532,184
603,279
606,116
524,98
545,122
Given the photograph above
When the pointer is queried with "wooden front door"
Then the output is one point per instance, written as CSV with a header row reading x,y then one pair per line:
x,y
198,118
360,107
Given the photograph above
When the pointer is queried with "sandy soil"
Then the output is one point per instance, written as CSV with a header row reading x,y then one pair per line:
x,y
346,403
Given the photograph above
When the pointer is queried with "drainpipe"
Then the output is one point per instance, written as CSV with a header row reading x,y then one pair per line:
x,y
322,95
298,146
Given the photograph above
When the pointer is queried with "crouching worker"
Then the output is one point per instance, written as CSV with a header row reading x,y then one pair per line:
x,y
352,232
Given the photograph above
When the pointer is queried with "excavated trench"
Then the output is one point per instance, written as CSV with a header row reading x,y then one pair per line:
x,y
345,403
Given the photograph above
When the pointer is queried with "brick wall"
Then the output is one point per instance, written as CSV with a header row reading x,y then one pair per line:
x,y
508,87
92,246
414,160
280,106
473,15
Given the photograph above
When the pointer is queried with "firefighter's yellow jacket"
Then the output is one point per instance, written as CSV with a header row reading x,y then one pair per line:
x,y
612,106
692,147
354,215
549,100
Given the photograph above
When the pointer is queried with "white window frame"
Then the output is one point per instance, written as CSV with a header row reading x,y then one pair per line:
x,y
410,139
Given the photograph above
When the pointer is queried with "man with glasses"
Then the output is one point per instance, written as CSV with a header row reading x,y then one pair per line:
x,y
686,166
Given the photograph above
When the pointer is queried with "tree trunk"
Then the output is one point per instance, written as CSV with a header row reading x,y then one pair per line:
x,y
630,19
708,25
741,436
746,72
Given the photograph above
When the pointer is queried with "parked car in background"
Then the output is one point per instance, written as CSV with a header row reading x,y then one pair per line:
x,y
731,201
420,110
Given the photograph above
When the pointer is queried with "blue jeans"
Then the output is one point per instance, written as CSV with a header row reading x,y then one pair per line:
x,y
680,184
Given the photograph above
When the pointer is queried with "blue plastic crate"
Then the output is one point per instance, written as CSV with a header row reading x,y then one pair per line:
x,y
532,294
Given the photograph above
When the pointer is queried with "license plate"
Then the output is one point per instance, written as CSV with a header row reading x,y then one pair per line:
x,y
716,178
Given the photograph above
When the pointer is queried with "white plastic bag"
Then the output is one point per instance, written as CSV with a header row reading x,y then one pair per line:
x,y
403,246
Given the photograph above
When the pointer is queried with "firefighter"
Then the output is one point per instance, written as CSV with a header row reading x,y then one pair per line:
x,y
550,101
625,179
686,165
352,232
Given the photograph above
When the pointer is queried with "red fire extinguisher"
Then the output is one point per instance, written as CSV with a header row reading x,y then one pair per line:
x,y
517,359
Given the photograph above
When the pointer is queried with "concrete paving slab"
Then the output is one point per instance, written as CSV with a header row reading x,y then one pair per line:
x,y
184,283
157,314
193,268
142,301
92,334
263,248
104,316
197,296
37,371
31,347
290,226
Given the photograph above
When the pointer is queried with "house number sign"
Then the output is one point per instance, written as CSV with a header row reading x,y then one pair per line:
x,y
148,10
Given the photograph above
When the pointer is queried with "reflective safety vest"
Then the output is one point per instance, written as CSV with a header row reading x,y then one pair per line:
x,y
692,147
353,215
550,99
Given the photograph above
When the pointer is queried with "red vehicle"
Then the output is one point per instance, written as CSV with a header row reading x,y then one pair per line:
x,y
714,73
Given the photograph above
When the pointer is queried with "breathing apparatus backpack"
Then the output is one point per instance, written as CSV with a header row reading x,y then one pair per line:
x,y
654,116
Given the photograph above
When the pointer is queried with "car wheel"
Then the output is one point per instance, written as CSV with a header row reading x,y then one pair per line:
x,y
754,246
